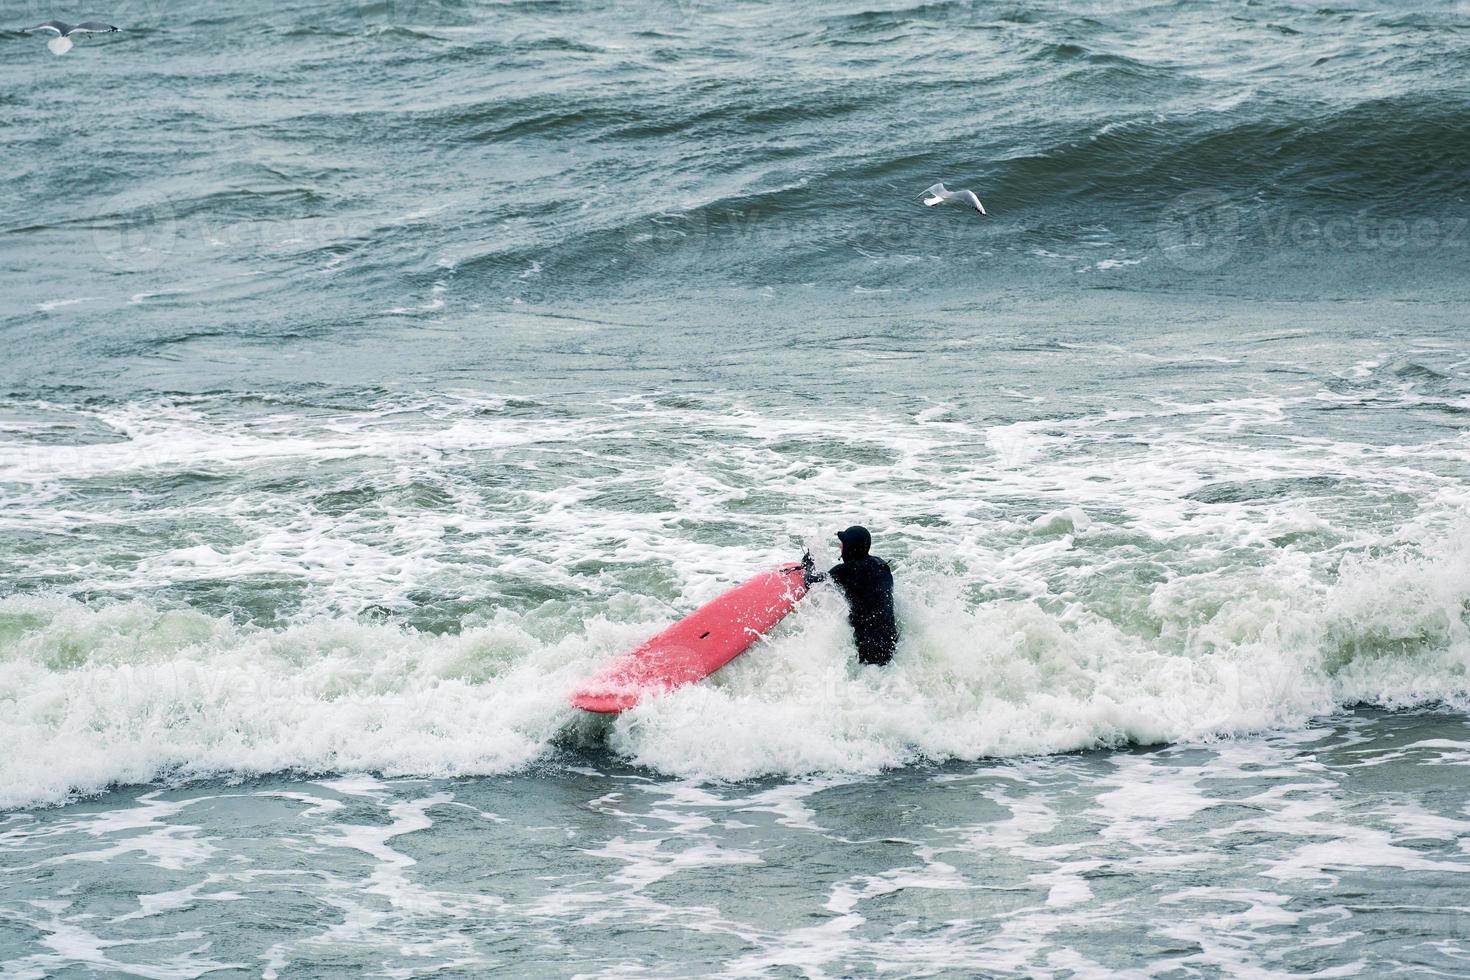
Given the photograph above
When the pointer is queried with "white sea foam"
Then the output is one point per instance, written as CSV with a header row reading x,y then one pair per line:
x,y
129,692
56,304
1147,575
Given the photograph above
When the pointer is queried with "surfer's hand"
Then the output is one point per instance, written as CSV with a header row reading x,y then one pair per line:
x,y
809,573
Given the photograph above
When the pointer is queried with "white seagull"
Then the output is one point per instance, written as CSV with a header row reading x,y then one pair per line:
x,y
938,195
62,42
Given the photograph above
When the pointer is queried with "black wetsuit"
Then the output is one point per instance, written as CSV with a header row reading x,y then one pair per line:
x,y
868,584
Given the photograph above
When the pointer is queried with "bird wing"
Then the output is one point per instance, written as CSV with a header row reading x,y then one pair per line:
x,y
92,27
59,28
934,195
971,198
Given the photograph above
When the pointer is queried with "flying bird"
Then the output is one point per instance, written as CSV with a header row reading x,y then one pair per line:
x,y
939,195
62,42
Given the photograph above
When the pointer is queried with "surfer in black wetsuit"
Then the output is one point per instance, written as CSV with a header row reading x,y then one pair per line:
x,y
867,582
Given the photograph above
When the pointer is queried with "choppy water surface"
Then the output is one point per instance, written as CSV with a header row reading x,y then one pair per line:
x,y
1330,851
374,373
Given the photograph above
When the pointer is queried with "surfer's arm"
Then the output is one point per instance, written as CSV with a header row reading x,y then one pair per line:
x,y
809,571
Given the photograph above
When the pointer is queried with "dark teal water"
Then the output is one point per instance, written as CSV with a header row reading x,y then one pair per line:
x,y
433,192
374,374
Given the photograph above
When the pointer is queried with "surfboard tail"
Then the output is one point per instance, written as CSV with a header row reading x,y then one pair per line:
x,y
605,703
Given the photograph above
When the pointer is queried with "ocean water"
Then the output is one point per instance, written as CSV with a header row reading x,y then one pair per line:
x,y
372,374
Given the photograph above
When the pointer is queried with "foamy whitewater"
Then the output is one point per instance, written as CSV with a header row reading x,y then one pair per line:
x,y
376,373
415,588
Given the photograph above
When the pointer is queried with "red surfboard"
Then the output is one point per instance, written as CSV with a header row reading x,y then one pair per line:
x,y
697,645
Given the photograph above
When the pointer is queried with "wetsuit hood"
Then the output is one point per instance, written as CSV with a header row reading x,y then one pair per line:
x,y
855,542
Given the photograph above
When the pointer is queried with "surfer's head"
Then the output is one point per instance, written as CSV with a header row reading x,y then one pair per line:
x,y
855,542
